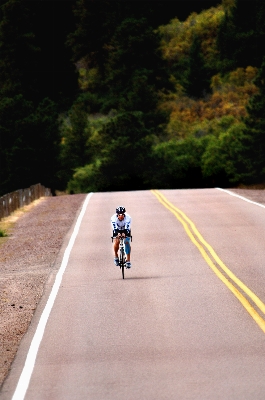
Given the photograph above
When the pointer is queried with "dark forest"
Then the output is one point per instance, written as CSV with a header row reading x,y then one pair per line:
x,y
127,95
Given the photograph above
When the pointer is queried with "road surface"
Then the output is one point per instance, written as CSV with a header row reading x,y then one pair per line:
x,y
187,322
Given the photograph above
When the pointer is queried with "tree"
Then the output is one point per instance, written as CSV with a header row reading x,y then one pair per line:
x,y
197,77
57,77
122,162
241,38
34,60
35,85
19,50
100,51
255,131
176,163
126,157
74,136
28,143
134,72
223,159
185,43
123,73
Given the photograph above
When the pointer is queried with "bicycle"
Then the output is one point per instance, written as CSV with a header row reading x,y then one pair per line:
x,y
122,255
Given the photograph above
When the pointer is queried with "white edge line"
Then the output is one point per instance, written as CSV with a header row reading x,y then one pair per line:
x,y
240,197
26,373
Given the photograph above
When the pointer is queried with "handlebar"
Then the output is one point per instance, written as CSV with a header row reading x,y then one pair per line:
x,y
120,237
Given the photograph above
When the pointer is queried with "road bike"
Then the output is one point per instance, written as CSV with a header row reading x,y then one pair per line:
x,y
121,254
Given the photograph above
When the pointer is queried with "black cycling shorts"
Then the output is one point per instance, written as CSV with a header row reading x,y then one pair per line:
x,y
125,231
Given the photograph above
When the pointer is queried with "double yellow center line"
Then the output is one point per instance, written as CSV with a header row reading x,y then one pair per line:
x,y
212,259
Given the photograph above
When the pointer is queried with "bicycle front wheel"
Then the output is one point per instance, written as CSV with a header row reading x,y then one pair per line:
x,y
122,263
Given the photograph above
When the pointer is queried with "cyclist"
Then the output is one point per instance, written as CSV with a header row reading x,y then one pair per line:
x,y
121,225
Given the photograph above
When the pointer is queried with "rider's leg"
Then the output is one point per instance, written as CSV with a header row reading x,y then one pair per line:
x,y
116,247
127,248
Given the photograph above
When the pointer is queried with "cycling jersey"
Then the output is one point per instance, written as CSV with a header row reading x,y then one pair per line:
x,y
124,225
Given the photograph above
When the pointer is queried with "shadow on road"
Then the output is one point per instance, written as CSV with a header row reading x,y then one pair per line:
x,y
144,277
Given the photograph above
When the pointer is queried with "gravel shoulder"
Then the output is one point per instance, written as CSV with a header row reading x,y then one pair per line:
x,y
257,195
27,258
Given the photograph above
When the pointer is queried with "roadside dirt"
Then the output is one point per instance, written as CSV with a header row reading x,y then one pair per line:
x,y
27,257
257,195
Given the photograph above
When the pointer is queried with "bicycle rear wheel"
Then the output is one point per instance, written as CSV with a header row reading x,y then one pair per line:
x,y
122,263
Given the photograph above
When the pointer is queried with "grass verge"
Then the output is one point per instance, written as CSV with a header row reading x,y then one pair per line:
x,y
7,223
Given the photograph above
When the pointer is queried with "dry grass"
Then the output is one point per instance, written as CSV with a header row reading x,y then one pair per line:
x,y
7,223
257,186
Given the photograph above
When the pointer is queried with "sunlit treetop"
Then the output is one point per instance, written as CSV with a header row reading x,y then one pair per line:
x,y
177,36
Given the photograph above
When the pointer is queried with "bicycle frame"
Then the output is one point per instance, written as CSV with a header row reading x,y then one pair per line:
x,y
122,255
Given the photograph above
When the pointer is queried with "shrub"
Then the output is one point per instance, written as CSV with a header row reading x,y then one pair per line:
x,y
2,233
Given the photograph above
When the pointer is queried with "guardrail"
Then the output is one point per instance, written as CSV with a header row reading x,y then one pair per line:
x,y
20,198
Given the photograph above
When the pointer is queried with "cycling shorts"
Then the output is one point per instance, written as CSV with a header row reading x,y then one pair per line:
x,y
125,231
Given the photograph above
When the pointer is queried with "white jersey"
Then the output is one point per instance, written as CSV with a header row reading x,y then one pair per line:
x,y
120,225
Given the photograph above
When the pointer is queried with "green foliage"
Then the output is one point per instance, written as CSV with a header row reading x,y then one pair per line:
x,y
3,233
197,77
255,130
240,38
31,94
177,163
200,117
74,135
33,60
157,106
19,50
206,142
129,144
28,143
86,179
120,163
117,55
178,38
123,83
223,160
82,140
95,22
132,67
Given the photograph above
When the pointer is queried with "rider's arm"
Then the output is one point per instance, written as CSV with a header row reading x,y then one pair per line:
x,y
113,222
128,221
114,225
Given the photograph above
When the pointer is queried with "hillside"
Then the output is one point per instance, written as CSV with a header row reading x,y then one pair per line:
x,y
132,97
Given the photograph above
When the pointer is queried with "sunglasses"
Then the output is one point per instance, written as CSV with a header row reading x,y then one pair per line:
x,y
120,215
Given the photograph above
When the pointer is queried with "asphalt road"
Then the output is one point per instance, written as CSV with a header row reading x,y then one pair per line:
x,y
187,322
